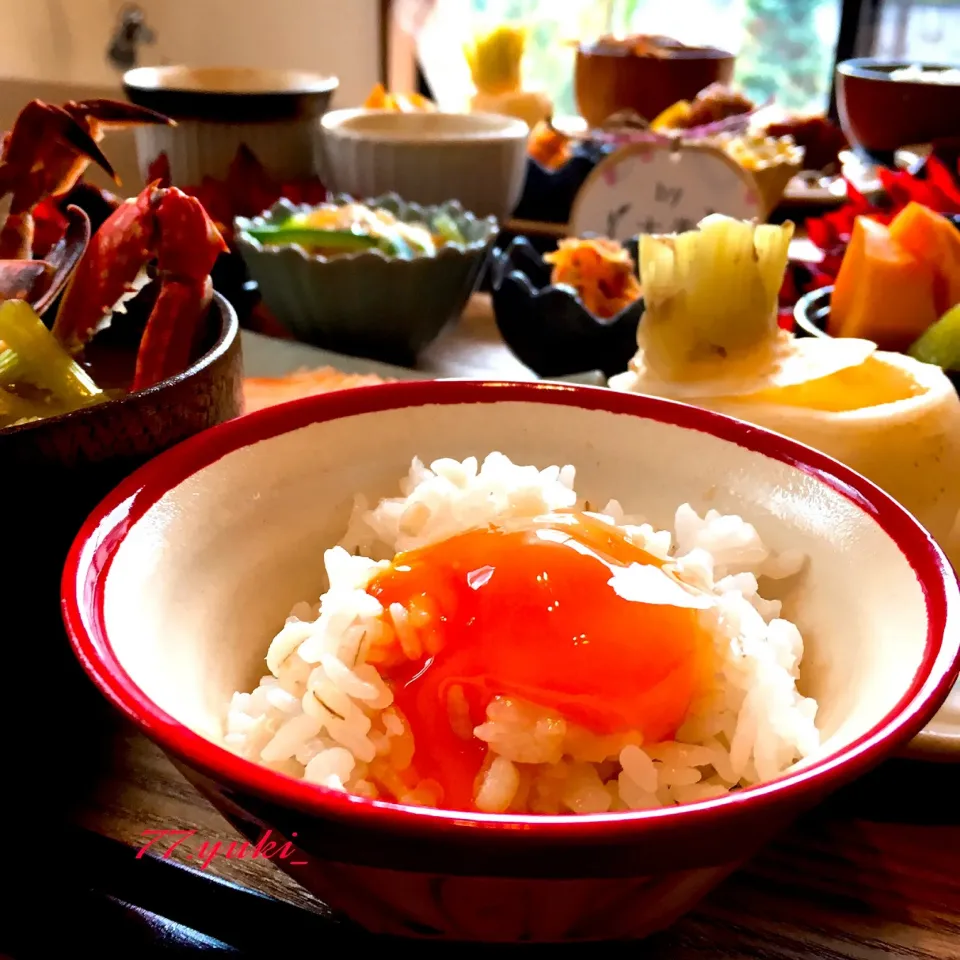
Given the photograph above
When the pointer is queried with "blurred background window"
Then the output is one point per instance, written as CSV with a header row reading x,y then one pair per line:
x,y
785,47
918,30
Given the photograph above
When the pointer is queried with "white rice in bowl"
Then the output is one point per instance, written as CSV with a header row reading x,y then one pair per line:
x,y
324,715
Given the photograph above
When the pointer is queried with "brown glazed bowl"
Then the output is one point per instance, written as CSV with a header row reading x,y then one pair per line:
x,y
56,470
880,115
607,80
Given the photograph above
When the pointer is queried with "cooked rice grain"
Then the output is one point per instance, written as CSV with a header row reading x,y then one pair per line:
x,y
325,715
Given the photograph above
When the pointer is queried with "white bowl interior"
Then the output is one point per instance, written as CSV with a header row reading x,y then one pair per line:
x,y
387,125
206,577
227,80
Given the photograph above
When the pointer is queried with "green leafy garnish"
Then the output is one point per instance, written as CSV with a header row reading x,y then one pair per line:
x,y
445,226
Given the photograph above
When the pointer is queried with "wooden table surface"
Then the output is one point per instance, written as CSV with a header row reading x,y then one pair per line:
x,y
871,874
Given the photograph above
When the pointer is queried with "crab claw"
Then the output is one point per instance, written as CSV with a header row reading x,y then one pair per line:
x,y
39,281
104,115
42,130
188,247
161,224
64,257
43,156
46,152
114,259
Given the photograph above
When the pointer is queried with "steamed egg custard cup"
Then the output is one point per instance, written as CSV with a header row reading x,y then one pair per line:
x,y
179,578
710,337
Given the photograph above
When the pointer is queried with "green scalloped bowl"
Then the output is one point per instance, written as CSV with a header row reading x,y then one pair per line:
x,y
368,304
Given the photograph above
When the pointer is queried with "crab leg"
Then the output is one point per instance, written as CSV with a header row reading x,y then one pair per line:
x,y
39,281
64,257
189,245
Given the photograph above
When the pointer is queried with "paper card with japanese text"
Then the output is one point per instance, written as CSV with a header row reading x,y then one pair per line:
x,y
662,188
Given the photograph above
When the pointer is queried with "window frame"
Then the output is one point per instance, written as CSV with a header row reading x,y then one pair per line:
x,y
858,25
399,68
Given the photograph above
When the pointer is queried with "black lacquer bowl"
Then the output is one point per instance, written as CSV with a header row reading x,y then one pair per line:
x,y
548,195
548,327
811,313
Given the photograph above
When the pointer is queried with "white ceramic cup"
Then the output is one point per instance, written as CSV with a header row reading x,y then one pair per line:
x,y
479,159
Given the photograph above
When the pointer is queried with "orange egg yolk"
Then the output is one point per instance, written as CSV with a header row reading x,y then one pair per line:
x,y
528,610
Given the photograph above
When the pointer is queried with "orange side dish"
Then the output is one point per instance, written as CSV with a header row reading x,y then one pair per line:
x,y
380,98
262,392
883,292
641,45
532,609
930,236
600,270
548,146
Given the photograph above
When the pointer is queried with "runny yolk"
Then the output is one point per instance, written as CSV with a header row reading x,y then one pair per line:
x,y
528,610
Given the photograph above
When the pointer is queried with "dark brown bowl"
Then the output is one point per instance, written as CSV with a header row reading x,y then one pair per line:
x,y
608,81
55,471
880,115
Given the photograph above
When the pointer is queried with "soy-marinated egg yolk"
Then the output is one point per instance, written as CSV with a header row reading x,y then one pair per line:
x,y
550,611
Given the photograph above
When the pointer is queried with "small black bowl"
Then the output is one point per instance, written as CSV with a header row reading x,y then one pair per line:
x,y
548,327
548,195
811,312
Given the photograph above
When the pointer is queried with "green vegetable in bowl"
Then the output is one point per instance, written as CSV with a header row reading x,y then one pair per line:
x,y
445,226
345,241
38,378
940,343
333,230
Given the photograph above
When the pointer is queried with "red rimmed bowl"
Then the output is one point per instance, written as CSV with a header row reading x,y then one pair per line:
x,y
179,579
880,113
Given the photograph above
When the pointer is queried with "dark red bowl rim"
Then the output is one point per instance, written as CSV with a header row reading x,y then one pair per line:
x,y
302,101
597,49
88,563
879,69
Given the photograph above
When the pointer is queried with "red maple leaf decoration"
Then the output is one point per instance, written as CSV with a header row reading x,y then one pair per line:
x,y
939,190
246,191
